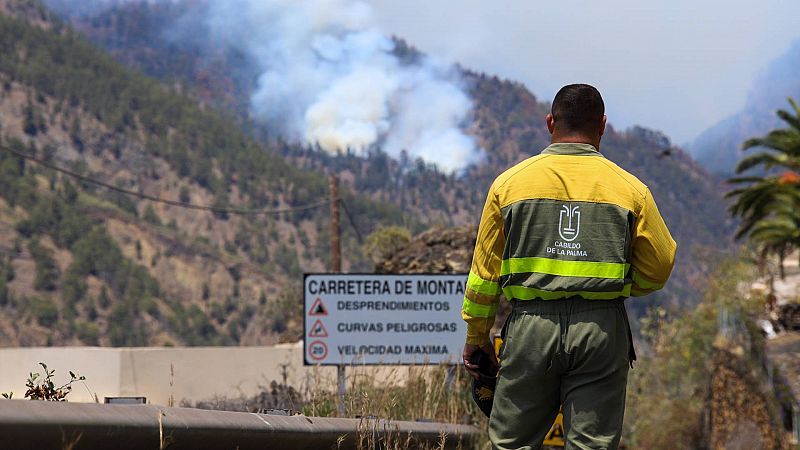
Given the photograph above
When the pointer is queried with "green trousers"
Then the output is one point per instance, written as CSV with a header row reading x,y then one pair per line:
x,y
573,353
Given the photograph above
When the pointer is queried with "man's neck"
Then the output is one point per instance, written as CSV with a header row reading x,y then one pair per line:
x,y
575,139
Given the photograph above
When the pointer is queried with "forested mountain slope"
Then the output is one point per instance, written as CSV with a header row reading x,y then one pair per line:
x,y
83,264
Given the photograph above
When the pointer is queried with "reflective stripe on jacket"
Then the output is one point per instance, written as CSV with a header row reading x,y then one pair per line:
x,y
565,223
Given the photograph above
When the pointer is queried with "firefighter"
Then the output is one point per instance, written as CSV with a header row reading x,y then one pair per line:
x,y
566,236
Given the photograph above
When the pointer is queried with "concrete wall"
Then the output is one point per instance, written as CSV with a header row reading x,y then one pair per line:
x,y
200,373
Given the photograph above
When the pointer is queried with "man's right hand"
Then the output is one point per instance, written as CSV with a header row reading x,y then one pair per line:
x,y
469,349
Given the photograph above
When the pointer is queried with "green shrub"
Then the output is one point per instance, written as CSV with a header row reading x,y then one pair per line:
x,y
124,201
7,272
230,247
91,310
386,241
88,333
150,216
46,269
73,287
5,295
104,301
124,329
184,194
44,310
217,312
6,275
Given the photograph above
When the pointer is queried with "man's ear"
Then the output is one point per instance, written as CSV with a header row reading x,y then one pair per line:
x,y
603,125
551,123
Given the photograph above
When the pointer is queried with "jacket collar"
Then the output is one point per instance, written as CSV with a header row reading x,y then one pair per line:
x,y
565,148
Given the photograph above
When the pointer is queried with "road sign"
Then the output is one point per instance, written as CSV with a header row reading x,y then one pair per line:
x,y
318,330
318,308
383,319
317,351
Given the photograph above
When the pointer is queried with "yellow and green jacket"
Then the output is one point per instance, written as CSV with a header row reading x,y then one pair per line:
x,y
565,223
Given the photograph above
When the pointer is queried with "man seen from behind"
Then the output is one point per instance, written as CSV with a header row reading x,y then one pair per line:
x,y
566,236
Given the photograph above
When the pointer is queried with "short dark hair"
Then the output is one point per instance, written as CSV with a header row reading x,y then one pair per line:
x,y
578,108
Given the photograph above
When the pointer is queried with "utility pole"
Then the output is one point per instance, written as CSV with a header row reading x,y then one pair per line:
x,y
336,267
336,246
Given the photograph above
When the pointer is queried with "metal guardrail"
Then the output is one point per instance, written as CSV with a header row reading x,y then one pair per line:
x,y
39,425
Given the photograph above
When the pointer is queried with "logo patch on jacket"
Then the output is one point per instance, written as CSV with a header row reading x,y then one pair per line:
x,y
569,223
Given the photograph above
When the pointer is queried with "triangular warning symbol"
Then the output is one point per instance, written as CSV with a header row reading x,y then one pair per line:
x,y
318,330
317,308
556,432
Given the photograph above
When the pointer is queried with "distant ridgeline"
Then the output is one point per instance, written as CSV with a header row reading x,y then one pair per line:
x,y
720,147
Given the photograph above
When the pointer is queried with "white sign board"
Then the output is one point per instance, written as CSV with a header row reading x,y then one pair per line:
x,y
383,319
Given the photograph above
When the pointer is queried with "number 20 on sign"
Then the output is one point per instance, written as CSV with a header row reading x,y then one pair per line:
x,y
318,350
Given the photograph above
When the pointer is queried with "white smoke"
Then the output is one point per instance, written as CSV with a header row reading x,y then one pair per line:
x,y
329,75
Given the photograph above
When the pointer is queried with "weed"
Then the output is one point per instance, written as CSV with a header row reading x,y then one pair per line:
x,y
44,388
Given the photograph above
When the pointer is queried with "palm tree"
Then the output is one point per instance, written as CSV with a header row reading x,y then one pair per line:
x,y
769,205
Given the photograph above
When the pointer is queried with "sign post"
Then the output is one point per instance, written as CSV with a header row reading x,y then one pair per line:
x,y
336,266
341,386
370,319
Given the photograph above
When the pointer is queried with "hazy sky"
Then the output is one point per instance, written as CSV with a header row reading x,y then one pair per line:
x,y
674,65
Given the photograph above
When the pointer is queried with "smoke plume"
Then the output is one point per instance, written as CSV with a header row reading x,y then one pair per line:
x,y
330,77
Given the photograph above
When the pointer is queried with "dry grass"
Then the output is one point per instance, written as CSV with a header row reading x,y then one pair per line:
x,y
407,393
439,394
